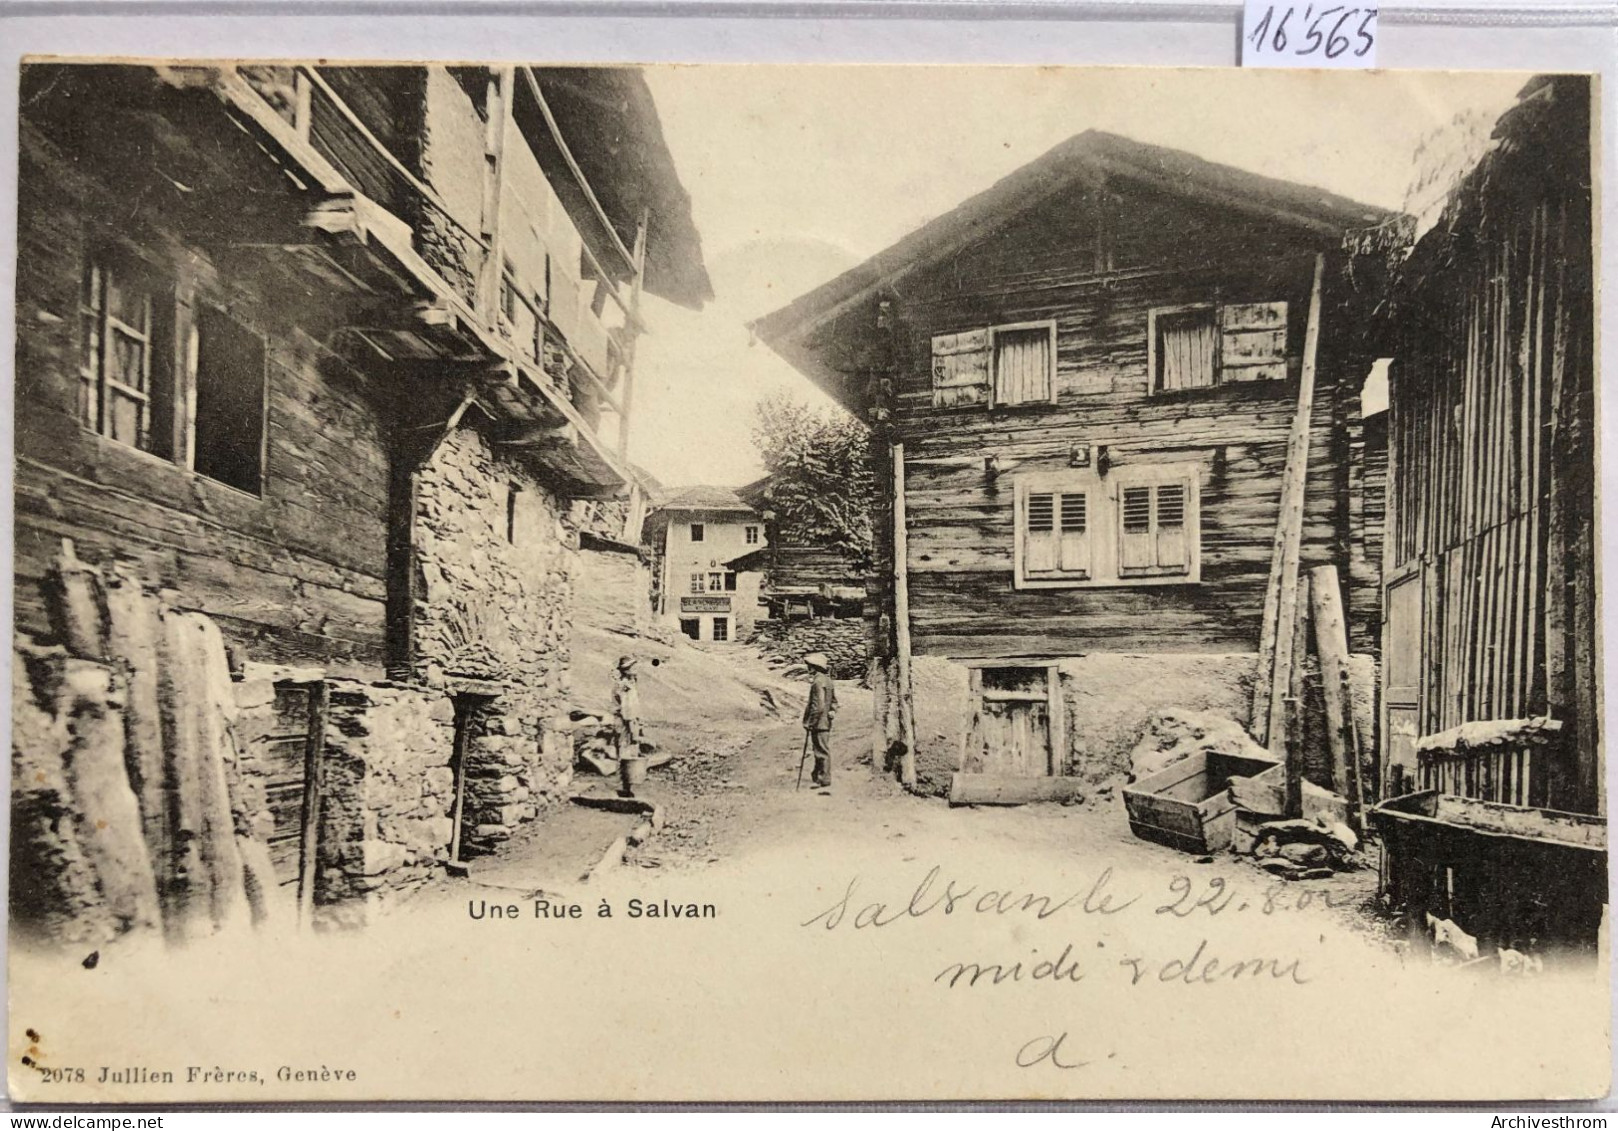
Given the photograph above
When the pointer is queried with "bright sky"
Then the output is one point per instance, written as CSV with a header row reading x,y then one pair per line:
x,y
798,173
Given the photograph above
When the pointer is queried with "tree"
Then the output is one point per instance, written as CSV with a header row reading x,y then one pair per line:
x,y
820,487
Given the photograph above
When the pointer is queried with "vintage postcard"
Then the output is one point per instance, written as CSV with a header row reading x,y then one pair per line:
x,y
804,583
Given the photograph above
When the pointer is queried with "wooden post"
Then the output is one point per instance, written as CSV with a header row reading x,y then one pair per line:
x,y
632,331
1280,602
1292,701
314,760
1331,645
501,89
1351,740
901,619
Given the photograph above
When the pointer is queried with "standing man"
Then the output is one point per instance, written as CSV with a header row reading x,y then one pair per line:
x,y
818,715
627,721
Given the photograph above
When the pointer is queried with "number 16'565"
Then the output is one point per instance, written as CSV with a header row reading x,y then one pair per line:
x,y
1272,33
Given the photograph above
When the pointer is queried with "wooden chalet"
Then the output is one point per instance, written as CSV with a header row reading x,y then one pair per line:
x,y
1492,686
1115,398
339,359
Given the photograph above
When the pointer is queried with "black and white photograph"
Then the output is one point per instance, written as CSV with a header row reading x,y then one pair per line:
x,y
804,583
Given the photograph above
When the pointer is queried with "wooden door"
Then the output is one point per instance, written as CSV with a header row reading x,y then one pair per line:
x,y
1016,738
1403,664
1012,727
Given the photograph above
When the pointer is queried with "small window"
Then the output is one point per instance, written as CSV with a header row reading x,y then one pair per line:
x,y
716,582
730,581
750,535
721,628
1024,364
1200,346
698,532
228,425
117,393
1185,349
692,627
513,493
697,585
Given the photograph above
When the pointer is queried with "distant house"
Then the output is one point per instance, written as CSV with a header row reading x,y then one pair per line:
x,y
813,593
1085,388
694,533
334,361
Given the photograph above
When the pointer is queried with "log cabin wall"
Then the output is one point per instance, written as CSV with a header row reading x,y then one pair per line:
x,y
1121,652
1162,252
1491,546
293,573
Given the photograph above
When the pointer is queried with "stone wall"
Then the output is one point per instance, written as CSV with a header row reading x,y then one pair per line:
x,y
844,642
387,796
498,611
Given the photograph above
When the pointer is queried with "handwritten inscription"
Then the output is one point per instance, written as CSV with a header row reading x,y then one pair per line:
x,y
1072,964
1308,35
929,898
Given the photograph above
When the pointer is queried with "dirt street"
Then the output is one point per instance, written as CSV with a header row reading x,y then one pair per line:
x,y
734,813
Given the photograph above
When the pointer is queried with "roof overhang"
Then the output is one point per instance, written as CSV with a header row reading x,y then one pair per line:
x,y
1091,158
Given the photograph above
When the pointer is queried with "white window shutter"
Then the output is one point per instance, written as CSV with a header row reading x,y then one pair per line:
x,y
1073,514
1172,549
961,369
1040,549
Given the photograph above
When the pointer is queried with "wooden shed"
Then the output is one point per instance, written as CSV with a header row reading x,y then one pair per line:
x,y
1490,624
1100,390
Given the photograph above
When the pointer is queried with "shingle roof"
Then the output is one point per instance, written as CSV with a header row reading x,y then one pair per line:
x,y
1091,154
702,498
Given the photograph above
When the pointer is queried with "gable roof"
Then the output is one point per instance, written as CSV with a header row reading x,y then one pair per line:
x,y
703,498
1089,157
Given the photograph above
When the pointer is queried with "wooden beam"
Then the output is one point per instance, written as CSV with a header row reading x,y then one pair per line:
x,y
1006,789
1331,645
313,760
1291,723
632,332
578,174
901,620
421,187
1274,672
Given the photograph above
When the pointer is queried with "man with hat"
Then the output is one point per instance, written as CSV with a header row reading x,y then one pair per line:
x,y
818,715
626,712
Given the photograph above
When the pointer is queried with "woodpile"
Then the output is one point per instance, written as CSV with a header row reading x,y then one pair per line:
x,y
123,753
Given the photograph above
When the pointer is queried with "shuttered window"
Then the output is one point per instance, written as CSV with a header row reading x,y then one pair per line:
x,y
1022,365
1056,535
1138,524
1198,347
1013,364
1152,536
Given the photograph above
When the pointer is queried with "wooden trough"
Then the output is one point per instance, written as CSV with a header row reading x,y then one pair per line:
x,y
1513,876
1187,805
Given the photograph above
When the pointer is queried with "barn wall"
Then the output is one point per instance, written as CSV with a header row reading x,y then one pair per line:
x,y
1492,442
